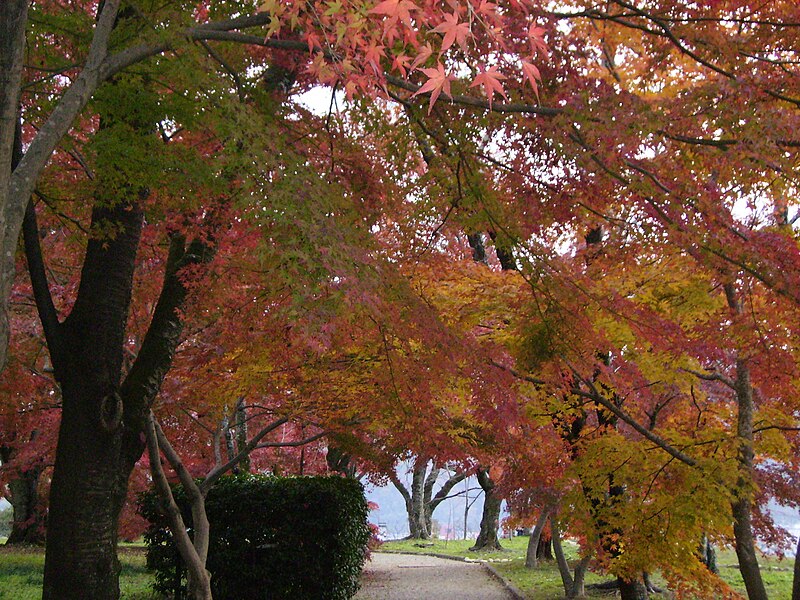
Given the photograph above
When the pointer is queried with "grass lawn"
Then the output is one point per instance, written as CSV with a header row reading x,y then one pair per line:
x,y
21,575
544,583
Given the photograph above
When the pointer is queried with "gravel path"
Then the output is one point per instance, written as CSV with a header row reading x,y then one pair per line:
x,y
417,577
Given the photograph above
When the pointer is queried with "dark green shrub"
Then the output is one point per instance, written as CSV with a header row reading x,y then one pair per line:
x,y
272,538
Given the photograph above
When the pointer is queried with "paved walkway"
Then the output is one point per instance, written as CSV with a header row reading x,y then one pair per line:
x,y
418,577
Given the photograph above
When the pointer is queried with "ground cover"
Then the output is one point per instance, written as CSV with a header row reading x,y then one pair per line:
x,y
544,583
21,574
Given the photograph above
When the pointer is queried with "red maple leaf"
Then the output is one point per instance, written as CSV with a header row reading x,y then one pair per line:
x,y
489,80
532,76
453,32
438,82
396,10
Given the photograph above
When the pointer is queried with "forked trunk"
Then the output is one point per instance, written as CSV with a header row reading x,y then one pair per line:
x,y
490,521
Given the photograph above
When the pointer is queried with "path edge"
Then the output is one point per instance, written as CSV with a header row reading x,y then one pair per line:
x,y
512,589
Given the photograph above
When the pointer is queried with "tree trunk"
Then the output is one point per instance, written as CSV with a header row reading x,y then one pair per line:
x,y
420,501
708,555
490,521
417,521
578,589
796,582
101,435
561,560
632,590
531,555
544,549
194,552
29,525
741,506
13,21
90,476
241,434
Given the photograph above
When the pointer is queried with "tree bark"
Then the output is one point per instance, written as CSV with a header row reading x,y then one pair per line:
x,y
28,526
420,501
796,580
490,520
741,507
708,555
632,590
194,552
573,587
87,491
13,21
531,554
561,560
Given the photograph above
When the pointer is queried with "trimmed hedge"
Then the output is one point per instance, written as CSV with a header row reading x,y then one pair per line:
x,y
271,537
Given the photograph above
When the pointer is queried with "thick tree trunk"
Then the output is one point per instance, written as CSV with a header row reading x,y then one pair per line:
x,y
632,590
419,528
490,521
90,476
28,526
531,554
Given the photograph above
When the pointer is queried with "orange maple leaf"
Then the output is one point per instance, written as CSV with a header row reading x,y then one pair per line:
x,y
438,82
489,80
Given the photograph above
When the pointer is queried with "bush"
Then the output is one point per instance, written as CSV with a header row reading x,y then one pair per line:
x,y
271,537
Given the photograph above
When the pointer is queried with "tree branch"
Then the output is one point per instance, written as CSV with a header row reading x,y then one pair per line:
x,y
218,470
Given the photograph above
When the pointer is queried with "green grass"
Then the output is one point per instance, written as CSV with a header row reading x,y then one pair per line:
x,y
21,575
544,583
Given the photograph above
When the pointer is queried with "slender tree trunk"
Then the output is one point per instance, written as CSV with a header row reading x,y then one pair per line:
x,y
194,552
490,521
13,22
573,587
578,586
241,434
708,555
741,507
561,560
531,555
796,582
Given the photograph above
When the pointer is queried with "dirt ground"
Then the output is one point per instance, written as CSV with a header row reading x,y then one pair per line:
x,y
410,577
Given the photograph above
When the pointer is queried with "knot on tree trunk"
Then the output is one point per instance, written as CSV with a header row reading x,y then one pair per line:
x,y
111,410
